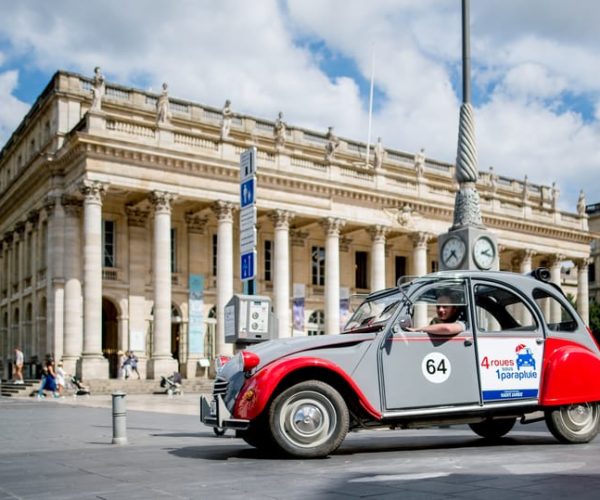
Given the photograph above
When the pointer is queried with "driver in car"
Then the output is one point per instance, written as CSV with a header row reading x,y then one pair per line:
x,y
447,321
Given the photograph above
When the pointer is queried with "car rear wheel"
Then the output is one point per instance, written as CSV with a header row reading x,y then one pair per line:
x,y
578,423
309,419
493,429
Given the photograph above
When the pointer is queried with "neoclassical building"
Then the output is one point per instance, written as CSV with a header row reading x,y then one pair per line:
x,y
113,201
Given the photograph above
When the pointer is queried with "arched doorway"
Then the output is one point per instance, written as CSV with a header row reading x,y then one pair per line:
x,y
110,336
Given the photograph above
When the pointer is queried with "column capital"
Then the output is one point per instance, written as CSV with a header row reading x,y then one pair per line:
x,y
33,217
378,232
555,259
71,205
196,224
223,210
93,191
20,229
332,225
161,201
582,264
298,237
8,237
281,218
526,254
420,239
345,243
136,217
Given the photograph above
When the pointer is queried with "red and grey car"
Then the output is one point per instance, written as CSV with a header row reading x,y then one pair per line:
x,y
524,354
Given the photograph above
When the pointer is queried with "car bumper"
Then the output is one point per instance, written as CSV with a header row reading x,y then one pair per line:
x,y
214,413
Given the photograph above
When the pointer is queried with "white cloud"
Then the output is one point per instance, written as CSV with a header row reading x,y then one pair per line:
x,y
12,109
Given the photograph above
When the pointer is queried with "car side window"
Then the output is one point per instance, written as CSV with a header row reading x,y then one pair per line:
x,y
498,309
556,315
426,304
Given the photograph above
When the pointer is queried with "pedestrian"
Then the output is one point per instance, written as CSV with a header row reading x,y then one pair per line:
x,y
125,365
18,366
133,364
48,382
60,378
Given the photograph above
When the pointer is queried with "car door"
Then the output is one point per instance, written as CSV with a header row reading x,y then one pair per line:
x,y
419,370
509,341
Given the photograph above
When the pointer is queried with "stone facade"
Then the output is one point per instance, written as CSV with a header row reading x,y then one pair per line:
x,y
106,211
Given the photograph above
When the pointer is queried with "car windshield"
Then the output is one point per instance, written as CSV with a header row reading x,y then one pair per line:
x,y
373,313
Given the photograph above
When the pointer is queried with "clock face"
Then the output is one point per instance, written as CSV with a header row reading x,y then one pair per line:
x,y
484,253
453,252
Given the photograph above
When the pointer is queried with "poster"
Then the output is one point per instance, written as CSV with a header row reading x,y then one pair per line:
x,y
196,326
298,307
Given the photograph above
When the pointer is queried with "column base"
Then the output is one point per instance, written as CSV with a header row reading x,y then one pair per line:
x,y
157,367
92,366
192,369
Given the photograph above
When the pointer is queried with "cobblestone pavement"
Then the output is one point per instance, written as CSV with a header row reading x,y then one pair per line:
x,y
62,449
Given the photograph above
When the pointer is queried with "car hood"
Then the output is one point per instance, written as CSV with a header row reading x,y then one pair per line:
x,y
274,349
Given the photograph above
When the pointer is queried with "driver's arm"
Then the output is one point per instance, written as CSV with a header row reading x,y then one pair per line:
x,y
441,328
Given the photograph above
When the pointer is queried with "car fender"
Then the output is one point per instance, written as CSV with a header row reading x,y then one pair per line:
x,y
258,389
571,373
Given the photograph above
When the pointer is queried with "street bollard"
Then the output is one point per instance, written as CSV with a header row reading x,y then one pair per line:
x,y
119,414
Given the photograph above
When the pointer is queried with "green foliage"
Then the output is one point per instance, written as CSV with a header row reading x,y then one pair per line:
x,y
595,317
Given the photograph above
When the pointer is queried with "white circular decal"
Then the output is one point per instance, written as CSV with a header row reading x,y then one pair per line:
x,y
436,367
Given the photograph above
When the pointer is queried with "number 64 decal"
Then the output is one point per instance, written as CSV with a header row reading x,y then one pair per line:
x,y
436,367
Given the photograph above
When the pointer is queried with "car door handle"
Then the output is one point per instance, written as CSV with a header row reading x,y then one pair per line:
x,y
539,341
468,342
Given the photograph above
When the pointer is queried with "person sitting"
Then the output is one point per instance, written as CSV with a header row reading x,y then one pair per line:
x,y
447,321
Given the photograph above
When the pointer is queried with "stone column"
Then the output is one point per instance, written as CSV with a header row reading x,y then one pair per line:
x,y
224,212
583,306
555,262
139,263
54,277
281,272
162,361
378,234
20,263
93,365
33,217
73,325
332,228
419,268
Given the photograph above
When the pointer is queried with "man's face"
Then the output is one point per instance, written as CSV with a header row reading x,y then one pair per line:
x,y
445,311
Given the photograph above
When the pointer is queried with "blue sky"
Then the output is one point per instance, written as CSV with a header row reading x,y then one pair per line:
x,y
534,69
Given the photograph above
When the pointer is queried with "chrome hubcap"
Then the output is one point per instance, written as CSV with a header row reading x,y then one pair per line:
x,y
308,419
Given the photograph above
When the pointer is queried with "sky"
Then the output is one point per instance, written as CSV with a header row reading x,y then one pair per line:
x,y
535,70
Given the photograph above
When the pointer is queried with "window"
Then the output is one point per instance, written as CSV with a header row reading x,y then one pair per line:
x,y
556,315
498,309
318,266
400,267
268,245
173,250
214,255
592,273
360,269
109,243
449,293
316,323
434,266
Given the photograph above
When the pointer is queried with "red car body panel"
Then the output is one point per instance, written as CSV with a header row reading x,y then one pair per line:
x,y
569,374
257,391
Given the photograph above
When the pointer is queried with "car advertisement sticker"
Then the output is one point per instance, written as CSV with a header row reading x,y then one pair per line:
x,y
509,368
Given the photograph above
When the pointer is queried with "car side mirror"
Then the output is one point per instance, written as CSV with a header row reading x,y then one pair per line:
x,y
404,322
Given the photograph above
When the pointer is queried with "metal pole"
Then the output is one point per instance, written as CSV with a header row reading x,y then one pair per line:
x,y
119,415
466,52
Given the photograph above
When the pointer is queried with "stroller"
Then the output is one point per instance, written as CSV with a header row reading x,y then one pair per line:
x,y
172,384
80,389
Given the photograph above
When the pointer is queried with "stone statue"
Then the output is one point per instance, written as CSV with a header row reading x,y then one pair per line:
x,y
98,88
378,153
332,144
163,111
525,189
280,131
226,120
493,180
420,163
581,204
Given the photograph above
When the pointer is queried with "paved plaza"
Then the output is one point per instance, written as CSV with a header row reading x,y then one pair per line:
x,y
62,449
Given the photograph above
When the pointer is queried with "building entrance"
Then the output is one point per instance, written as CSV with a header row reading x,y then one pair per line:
x,y
110,337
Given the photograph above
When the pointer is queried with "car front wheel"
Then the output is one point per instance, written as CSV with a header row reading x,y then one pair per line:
x,y
493,429
309,419
578,423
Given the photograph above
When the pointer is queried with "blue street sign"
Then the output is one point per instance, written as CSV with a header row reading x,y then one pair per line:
x,y
248,266
247,193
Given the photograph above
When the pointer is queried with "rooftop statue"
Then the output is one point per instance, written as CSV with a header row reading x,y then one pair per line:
x,y
98,88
